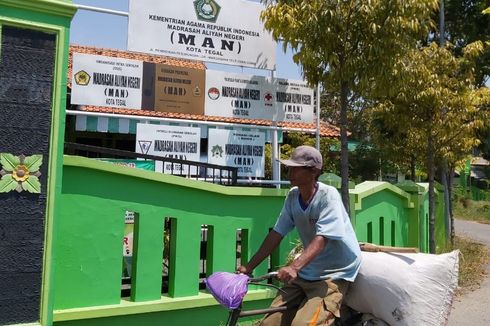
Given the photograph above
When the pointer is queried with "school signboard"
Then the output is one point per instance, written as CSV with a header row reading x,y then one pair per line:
x,y
173,89
257,97
294,100
169,141
238,96
221,31
106,81
241,149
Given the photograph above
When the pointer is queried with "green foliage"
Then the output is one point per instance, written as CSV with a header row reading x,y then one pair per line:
x,y
357,116
433,117
347,41
465,23
466,209
295,139
434,97
365,163
348,46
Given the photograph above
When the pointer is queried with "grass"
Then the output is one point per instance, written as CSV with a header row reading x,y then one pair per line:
x,y
471,210
467,209
472,261
474,256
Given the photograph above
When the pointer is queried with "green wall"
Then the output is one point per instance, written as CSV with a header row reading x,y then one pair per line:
x,y
90,227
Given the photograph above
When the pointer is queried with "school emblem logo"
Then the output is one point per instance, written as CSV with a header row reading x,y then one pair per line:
x,y
213,93
144,146
82,78
207,10
217,151
268,99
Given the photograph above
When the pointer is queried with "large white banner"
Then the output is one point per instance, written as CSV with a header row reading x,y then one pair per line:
x,y
106,81
221,31
238,96
169,141
294,101
241,149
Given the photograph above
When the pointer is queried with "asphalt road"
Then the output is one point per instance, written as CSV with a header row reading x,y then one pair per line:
x,y
473,309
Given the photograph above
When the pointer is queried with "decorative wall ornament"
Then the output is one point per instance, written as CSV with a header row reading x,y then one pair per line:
x,y
20,173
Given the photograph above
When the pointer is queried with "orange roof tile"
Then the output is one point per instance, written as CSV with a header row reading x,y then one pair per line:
x,y
326,129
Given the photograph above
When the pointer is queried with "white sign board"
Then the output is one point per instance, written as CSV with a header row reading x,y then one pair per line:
x,y
106,81
294,101
220,31
169,141
257,97
241,149
238,96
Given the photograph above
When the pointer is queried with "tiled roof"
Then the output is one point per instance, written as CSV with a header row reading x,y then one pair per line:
x,y
326,129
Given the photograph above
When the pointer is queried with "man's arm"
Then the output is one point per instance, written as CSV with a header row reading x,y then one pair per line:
x,y
270,243
290,272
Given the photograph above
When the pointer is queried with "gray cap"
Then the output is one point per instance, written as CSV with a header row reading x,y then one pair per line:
x,y
305,156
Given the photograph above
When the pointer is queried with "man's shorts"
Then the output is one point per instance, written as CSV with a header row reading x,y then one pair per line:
x,y
312,303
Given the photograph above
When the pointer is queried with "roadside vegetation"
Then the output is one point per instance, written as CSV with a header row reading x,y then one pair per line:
x,y
467,209
472,261
474,256
471,210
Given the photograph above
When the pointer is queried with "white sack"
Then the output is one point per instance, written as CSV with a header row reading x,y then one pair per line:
x,y
406,289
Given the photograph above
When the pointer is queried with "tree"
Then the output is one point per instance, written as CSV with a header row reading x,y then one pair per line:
x,y
435,108
295,139
465,23
347,45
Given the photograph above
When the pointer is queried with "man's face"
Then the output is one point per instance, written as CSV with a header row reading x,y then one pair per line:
x,y
301,176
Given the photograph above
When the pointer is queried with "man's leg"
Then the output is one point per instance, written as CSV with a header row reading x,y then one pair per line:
x,y
293,296
322,304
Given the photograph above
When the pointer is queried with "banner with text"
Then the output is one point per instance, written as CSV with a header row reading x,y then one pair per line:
x,y
241,149
238,96
169,88
257,97
169,141
106,81
221,31
294,100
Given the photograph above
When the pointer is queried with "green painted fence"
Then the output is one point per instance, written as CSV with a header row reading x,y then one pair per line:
x,y
171,214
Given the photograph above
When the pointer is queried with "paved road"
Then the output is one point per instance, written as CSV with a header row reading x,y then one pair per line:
x,y
473,309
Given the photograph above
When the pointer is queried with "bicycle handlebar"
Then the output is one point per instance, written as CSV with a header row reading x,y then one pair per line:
x,y
263,277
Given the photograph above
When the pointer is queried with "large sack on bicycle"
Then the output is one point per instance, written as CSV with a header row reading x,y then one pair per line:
x,y
406,289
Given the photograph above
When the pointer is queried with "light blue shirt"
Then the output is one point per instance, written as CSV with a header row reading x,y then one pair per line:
x,y
325,216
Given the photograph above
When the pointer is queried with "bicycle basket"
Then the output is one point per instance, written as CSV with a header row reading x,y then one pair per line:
x,y
228,288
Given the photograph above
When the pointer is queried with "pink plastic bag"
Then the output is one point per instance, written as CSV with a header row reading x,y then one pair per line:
x,y
228,288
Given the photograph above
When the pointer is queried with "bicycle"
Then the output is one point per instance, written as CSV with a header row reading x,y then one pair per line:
x,y
237,312
351,317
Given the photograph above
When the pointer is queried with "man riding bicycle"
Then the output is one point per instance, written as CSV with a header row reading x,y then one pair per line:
x,y
316,280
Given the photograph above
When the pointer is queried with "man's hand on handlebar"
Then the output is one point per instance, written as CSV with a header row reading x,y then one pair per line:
x,y
244,270
287,274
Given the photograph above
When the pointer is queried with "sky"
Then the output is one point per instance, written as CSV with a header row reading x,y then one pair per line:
x,y
110,31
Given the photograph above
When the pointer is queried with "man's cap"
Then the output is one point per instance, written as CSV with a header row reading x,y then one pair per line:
x,y
305,156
